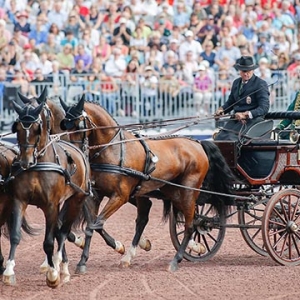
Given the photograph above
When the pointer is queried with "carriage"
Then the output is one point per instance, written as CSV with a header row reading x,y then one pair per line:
x,y
266,197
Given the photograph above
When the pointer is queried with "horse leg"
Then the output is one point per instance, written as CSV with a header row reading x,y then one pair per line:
x,y
109,209
77,240
1,257
9,277
188,211
52,275
144,243
143,209
64,272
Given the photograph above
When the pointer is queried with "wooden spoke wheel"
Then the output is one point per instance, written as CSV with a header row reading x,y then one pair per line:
x,y
250,221
209,230
281,227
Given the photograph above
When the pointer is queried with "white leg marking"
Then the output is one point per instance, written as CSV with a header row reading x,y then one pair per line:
x,y
9,270
52,274
196,247
130,254
44,266
57,259
65,274
119,247
79,241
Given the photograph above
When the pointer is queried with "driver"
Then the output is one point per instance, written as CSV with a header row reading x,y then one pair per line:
x,y
249,100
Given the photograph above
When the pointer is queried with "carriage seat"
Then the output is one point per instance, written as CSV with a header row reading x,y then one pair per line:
x,y
259,131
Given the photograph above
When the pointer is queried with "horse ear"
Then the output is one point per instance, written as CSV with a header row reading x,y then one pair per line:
x,y
63,104
17,107
43,96
62,125
14,127
24,99
80,104
38,109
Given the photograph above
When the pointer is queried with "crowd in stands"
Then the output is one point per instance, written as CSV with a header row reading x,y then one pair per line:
x,y
145,42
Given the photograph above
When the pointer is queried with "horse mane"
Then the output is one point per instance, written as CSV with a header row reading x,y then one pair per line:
x,y
88,102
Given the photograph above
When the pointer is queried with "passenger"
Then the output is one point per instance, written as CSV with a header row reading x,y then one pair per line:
x,y
249,100
287,123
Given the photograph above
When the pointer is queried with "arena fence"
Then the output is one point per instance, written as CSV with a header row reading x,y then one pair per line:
x,y
138,101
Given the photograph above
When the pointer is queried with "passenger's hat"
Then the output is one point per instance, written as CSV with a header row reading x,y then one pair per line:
x,y
245,63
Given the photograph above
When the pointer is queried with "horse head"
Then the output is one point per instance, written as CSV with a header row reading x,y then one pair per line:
x,y
31,132
75,120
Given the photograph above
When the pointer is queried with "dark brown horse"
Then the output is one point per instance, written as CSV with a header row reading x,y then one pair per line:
x,y
8,152
125,166
46,174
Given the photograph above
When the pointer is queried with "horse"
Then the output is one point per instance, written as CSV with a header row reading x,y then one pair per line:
x,y
125,165
8,152
46,173
56,115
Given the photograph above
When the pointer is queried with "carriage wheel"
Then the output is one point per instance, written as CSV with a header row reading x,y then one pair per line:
x,y
250,220
281,227
209,231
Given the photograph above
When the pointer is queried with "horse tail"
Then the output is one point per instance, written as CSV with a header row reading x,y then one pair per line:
x,y
219,177
6,228
166,210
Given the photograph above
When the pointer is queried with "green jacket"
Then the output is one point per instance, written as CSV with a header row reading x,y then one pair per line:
x,y
286,122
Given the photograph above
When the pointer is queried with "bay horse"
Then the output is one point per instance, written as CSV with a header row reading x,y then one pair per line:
x,y
56,115
46,174
8,152
124,165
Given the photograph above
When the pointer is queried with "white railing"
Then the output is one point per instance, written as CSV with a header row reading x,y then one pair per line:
x,y
129,102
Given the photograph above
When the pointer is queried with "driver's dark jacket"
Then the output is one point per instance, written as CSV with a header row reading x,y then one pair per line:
x,y
254,97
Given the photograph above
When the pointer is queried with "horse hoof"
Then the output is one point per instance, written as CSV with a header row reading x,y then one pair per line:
x,y
65,278
80,270
120,248
173,267
43,269
52,278
148,246
9,280
124,264
80,242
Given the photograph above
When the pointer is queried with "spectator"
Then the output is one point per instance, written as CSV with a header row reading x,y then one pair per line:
x,y
260,53
209,24
208,53
83,55
94,18
263,71
170,63
130,80
57,77
264,40
83,9
127,14
294,65
169,91
38,34
155,58
109,92
78,73
119,44
146,30
116,64
11,55
58,34
123,32
248,29
12,12
51,47
230,51
148,9
149,84
189,44
38,83
66,58
181,17
111,18
30,58
102,50
88,42
97,66
22,23
209,36
45,64
58,14
20,81
195,23
74,24
174,46
138,41
202,91
43,8
69,39
190,66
